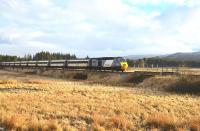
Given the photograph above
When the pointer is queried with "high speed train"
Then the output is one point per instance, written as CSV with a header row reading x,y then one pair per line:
x,y
102,63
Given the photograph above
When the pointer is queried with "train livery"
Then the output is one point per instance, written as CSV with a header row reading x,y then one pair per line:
x,y
103,63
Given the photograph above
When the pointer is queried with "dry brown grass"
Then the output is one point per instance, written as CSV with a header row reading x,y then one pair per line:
x,y
169,122
97,127
8,81
18,122
37,81
164,121
121,123
195,124
98,119
63,105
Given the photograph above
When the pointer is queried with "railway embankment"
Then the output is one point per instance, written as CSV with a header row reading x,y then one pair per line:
x,y
105,77
142,80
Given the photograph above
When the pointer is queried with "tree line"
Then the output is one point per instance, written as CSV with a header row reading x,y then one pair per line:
x,y
43,55
162,62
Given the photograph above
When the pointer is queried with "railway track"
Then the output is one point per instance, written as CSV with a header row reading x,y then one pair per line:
x,y
132,72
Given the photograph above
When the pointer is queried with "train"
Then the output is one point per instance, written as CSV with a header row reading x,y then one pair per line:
x,y
99,64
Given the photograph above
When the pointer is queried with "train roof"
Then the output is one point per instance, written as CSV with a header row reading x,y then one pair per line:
x,y
86,59
79,60
106,58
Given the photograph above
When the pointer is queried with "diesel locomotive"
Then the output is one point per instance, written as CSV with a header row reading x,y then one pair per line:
x,y
100,64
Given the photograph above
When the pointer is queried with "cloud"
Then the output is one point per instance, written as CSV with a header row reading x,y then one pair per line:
x,y
100,27
4,41
188,3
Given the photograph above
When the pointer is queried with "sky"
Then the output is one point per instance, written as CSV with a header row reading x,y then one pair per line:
x,y
99,27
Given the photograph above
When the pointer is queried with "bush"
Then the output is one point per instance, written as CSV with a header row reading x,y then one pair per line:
x,y
137,78
186,85
80,76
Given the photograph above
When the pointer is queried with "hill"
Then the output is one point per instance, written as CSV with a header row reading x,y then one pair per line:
x,y
192,56
136,57
180,56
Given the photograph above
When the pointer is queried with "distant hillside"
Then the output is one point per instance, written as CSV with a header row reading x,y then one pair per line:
x,y
172,60
192,56
136,57
195,56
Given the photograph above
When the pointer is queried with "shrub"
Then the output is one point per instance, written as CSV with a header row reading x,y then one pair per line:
x,y
80,76
185,85
137,78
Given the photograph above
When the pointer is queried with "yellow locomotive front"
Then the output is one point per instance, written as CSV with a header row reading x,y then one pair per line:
x,y
123,64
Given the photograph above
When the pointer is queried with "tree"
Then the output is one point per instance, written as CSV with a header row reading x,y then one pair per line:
x,y
87,57
141,63
43,55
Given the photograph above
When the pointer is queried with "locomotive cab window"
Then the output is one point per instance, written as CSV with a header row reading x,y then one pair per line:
x,y
121,60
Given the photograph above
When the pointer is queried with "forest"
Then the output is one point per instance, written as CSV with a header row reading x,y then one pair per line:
x,y
162,62
43,55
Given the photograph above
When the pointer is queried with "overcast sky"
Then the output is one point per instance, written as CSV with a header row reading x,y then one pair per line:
x,y
99,27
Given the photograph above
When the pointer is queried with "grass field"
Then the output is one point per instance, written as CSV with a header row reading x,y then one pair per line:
x,y
39,103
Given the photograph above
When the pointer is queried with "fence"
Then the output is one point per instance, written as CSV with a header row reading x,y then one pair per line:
x,y
177,70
